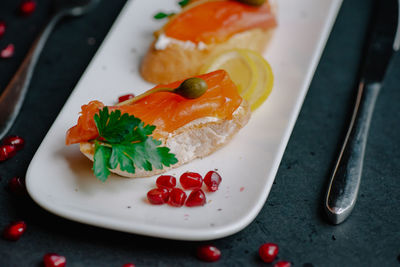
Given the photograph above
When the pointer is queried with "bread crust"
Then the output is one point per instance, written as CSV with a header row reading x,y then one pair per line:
x,y
196,139
177,62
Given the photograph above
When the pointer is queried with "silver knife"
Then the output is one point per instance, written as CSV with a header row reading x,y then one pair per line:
x,y
384,41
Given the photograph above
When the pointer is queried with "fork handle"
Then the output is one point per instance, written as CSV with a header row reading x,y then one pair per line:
x,y
14,94
345,181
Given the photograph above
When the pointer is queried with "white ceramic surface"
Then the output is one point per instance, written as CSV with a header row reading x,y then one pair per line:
x,y
60,180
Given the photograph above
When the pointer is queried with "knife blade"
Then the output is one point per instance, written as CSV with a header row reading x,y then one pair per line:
x,y
383,42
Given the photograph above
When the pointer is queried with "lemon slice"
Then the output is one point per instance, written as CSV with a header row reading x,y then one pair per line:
x,y
251,73
241,69
265,81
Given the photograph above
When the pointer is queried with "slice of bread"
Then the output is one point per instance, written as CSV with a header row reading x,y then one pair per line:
x,y
196,139
176,62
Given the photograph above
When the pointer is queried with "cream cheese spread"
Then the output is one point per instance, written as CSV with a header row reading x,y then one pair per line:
x,y
164,41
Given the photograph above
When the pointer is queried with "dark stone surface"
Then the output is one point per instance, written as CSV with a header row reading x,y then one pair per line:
x,y
292,215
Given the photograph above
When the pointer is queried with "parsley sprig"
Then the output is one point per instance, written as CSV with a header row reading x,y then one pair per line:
x,y
125,141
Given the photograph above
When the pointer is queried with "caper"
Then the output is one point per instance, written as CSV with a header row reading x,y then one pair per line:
x,y
191,88
253,2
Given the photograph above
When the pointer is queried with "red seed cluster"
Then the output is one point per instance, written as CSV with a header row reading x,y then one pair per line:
x,y
27,7
208,253
2,28
54,260
196,198
268,252
9,147
177,197
125,97
191,180
212,180
282,264
14,230
166,181
16,185
167,192
158,196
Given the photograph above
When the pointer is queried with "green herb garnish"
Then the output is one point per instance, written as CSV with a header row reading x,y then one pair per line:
x,y
125,141
161,15
183,3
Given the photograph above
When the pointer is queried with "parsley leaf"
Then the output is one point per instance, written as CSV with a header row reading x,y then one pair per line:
x,y
125,141
183,3
115,127
162,15
101,161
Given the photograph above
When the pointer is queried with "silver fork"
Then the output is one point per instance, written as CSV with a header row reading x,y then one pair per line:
x,y
14,94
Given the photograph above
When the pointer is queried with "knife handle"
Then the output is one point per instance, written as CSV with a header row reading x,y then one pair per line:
x,y
345,181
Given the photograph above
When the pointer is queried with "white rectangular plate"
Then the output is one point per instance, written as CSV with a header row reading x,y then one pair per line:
x,y
60,179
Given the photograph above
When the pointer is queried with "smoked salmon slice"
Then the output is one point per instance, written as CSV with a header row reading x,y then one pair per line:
x,y
216,21
166,110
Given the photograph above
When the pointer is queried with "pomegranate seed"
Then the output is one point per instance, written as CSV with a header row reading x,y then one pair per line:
x,y
54,260
125,97
196,198
128,265
268,252
16,185
166,181
158,196
6,152
282,264
191,180
212,180
7,52
2,28
14,231
177,197
27,7
208,253
14,140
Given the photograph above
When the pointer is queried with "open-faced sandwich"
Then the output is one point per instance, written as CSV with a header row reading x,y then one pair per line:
x,y
203,29
168,126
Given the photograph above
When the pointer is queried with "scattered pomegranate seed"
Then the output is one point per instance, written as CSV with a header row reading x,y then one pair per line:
x,y
16,185
196,198
268,252
177,197
282,264
27,7
7,52
128,265
208,253
2,28
166,181
14,140
6,152
54,260
158,196
125,97
212,180
191,180
14,231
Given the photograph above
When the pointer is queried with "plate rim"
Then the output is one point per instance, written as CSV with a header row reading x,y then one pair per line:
x,y
186,234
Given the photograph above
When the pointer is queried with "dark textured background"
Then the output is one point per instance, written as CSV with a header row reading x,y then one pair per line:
x,y
292,216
